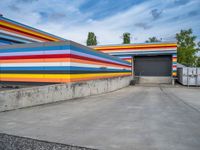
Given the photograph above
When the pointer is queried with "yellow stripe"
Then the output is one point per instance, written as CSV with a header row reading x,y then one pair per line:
x,y
174,73
133,46
28,31
59,75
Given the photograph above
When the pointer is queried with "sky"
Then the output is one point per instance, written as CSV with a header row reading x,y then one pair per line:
x,y
108,19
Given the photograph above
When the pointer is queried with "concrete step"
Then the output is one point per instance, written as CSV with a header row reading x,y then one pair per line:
x,y
153,80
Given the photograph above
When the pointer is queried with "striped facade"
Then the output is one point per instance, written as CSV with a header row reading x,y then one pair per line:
x,y
13,32
174,65
58,62
127,52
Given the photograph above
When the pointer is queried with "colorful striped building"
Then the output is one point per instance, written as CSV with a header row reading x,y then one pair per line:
x,y
58,62
130,52
43,57
14,32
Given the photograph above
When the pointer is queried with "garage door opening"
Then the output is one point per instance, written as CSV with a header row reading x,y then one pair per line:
x,y
153,66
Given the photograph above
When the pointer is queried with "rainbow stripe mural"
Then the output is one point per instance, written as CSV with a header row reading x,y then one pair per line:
x,y
126,52
174,65
134,49
14,32
58,62
126,58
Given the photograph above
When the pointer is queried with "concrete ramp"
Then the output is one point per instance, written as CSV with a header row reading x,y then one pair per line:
x,y
154,80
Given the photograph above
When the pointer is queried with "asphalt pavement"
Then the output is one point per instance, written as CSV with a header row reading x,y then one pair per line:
x,y
133,118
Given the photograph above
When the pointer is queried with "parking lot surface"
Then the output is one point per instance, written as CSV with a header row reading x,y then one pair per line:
x,y
136,117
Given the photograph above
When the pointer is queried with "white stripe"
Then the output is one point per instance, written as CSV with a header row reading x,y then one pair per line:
x,y
17,35
124,51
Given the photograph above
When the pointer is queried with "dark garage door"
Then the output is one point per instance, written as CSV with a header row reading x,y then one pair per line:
x,y
153,65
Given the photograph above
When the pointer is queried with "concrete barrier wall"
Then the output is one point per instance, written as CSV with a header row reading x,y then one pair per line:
x,y
26,97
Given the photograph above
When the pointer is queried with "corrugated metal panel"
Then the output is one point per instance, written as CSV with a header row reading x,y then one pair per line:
x,y
153,65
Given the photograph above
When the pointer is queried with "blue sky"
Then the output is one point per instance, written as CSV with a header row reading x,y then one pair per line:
x,y
73,19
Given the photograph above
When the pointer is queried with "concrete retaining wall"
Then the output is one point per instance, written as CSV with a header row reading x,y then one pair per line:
x,y
19,98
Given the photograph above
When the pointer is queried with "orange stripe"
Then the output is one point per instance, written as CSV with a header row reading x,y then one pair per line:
x,y
35,60
60,80
34,80
126,58
135,46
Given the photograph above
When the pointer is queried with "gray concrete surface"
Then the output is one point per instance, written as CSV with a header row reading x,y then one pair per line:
x,y
154,80
11,142
37,95
138,117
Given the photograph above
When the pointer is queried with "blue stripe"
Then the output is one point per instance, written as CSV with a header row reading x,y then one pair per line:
x,y
28,49
17,39
5,41
58,68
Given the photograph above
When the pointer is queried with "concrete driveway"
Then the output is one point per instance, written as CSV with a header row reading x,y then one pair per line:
x,y
139,118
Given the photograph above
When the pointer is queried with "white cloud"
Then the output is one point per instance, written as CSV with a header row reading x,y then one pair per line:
x,y
75,25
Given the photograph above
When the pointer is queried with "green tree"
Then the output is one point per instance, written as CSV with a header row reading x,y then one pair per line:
x,y
186,49
92,39
126,38
153,40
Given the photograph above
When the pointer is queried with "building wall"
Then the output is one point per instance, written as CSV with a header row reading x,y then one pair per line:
x,y
14,32
58,62
126,52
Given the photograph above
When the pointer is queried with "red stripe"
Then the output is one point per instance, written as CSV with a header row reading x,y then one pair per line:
x,y
58,56
126,58
112,49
